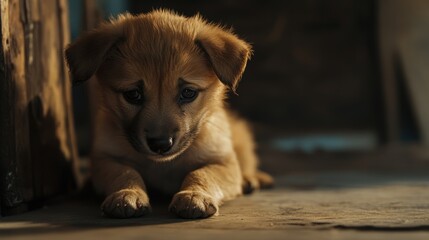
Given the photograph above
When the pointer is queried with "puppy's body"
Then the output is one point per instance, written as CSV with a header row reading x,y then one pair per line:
x,y
210,147
161,120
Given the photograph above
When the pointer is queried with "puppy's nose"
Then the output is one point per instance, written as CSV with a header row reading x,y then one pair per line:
x,y
160,145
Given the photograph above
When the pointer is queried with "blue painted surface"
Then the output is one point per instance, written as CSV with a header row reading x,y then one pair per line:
x,y
75,18
112,8
327,142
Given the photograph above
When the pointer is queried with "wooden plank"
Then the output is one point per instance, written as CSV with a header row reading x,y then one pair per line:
x,y
38,150
415,60
51,124
403,38
15,155
64,34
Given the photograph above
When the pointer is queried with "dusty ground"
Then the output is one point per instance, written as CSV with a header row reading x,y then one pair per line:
x,y
369,195
329,205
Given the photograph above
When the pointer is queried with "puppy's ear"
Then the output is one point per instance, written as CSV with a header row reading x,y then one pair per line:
x,y
88,52
227,54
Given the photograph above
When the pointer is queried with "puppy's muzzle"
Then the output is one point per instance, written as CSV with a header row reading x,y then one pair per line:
x,y
160,145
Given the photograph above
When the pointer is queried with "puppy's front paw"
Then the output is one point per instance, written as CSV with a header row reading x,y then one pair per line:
x,y
126,203
193,204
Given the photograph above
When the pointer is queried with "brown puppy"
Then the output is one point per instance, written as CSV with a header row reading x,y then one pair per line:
x,y
161,120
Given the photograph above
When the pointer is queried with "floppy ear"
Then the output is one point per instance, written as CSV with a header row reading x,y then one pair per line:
x,y
227,54
88,52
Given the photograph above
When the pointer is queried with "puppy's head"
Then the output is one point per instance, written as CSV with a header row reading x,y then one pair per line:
x,y
161,76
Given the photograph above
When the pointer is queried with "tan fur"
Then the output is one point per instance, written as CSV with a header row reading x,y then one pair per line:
x,y
212,159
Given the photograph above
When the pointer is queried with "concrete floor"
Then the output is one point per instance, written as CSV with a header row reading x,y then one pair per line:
x,y
382,194
328,205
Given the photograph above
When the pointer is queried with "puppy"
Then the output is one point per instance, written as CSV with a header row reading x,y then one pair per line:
x,y
161,121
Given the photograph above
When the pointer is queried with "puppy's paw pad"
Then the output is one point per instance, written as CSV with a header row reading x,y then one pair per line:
x,y
193,204
126,203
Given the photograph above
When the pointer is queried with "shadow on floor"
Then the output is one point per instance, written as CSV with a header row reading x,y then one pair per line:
x,y
80,212
323,201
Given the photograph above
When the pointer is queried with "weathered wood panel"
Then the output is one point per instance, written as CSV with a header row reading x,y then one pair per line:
x,y
15,152
403,45
37,137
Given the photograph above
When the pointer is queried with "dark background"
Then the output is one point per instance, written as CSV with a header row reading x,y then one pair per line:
x,y
315,69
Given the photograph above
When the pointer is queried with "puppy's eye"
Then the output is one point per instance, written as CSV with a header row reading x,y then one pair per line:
x,y
133,96
188,95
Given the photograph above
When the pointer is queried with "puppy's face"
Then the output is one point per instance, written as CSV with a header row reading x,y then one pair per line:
x,y
161,76
160,91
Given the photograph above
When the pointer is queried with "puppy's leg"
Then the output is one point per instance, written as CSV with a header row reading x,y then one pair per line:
x,y
244,148
124,188
204,190
253,178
